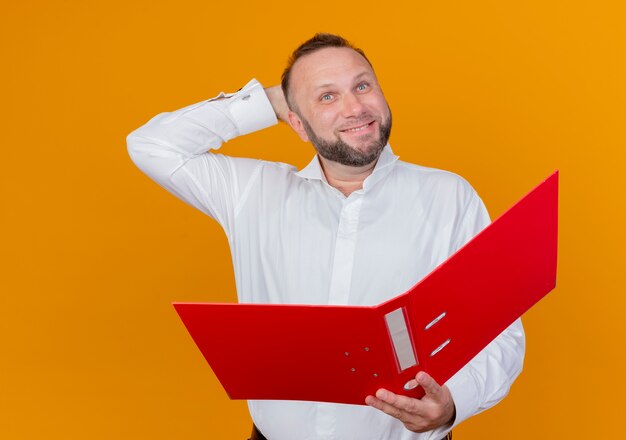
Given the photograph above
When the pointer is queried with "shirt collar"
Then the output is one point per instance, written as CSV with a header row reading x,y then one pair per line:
x,y
314,169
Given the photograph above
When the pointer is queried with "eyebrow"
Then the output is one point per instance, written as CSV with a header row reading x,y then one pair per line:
x,y
356,78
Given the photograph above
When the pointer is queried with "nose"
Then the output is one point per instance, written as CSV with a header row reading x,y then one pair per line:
x,y
352,105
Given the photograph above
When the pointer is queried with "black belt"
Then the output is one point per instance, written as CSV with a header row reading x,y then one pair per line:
x,y
256,435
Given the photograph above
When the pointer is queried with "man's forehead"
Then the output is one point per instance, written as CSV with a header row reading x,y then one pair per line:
x,y
326,66
363,74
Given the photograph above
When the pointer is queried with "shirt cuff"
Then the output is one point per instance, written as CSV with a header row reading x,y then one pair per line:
x,y
465,394
249,108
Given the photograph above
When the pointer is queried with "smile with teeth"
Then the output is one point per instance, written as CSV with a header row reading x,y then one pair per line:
x,y
357,129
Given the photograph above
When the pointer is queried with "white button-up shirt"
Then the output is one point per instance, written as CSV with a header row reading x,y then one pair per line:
x,y
296,239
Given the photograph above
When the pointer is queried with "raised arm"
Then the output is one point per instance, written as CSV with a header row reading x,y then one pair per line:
x,y
278,101
173,149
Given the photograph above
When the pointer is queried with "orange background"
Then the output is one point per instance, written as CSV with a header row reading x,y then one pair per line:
x,y
93,253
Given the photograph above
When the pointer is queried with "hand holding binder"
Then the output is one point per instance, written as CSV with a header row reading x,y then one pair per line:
x,y
433,410
344,353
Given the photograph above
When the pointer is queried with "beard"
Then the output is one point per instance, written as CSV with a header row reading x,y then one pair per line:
x,y
341,152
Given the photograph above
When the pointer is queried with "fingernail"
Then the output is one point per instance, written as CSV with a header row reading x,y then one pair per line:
x,y
381,394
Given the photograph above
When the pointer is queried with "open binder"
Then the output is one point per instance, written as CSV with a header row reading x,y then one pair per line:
x,y
344,353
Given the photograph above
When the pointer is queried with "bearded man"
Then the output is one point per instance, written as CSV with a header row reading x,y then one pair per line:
x,y
355,226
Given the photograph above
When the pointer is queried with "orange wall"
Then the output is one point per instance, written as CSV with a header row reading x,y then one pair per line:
x,y
93,252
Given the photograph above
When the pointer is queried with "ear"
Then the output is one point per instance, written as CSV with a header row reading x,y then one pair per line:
x,y
296,123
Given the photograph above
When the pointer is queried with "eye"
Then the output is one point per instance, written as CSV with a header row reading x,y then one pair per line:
x,y
326,97
363,86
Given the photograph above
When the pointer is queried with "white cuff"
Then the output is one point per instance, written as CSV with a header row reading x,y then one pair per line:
x,y
250,108
465,393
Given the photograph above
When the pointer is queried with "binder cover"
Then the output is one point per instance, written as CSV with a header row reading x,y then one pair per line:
x,y
344,353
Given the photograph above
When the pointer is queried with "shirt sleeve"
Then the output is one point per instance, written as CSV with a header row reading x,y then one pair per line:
x,y
487,378
173,149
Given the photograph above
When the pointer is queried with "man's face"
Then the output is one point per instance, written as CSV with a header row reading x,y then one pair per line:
x,y
339,106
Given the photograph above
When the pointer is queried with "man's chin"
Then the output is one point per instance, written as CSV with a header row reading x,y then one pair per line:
x,y
349,155
356,150
366,144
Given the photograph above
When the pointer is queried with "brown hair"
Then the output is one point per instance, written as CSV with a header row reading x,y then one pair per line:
x,y
319,41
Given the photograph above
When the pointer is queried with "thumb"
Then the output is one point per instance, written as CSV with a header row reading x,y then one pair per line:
x,y
430,386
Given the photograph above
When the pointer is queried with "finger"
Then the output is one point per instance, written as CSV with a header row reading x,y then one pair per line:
x,y
386,408
430,386
404,403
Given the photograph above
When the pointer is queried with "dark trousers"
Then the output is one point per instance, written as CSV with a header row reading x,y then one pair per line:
x,y
256,435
